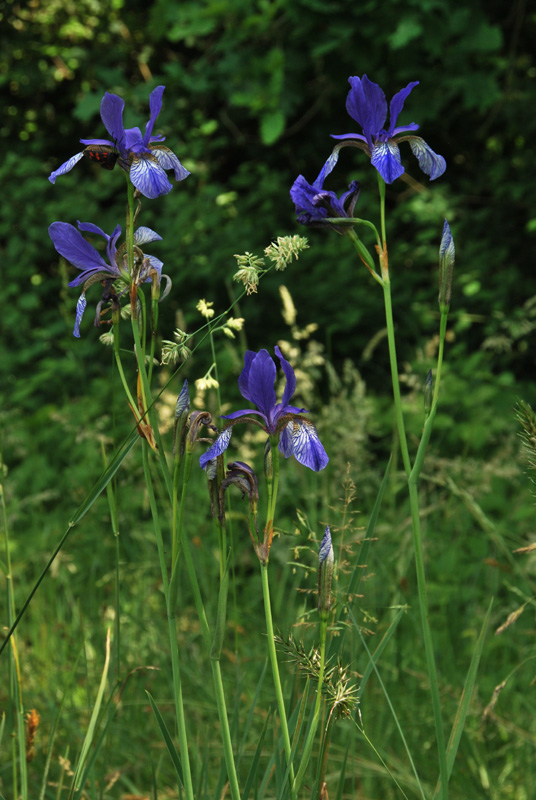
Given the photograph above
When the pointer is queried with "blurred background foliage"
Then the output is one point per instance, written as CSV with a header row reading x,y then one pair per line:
x,y
254,88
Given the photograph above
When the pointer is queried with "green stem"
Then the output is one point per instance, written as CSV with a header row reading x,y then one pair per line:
x,y
172,630
119,364
316,715
427,633
394,373
275,674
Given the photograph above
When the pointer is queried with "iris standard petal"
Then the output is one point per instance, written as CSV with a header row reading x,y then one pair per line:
x,y
261,381
80,308
71,245
243,379
366,103
220,446
386,159
111,111
65,167
431,163
397,104
306,446
290,387
155,106
168,160
149,177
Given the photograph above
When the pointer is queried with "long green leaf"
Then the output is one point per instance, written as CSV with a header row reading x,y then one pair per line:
x,y
88,739
172,750
465,699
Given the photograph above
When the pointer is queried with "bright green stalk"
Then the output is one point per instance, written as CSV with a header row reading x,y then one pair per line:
x,y
308,746
412,475
394,372
172,629
275,674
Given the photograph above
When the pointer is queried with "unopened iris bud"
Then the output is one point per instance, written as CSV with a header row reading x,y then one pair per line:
x,y
446,267
326,560
182,410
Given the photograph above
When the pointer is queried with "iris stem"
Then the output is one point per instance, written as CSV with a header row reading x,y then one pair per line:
x,y
268,533
308,746
412,475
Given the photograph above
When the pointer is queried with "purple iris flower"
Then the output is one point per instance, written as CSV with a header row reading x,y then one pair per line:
x,y
314,204
297,435
142,156
70,244
366,104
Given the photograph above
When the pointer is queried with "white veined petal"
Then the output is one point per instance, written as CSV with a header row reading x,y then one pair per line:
x,y
149,177
307,447
142,235
431,163
65,167
220,445
386,159
80,308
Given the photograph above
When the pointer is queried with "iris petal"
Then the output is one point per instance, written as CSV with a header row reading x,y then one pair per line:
x,y
65,167
431,163
366,103
307,447
386,159
111,111
149,177
261,381
397,104
155,105
71,245
142,235
290,387
220,445
168,160
80,308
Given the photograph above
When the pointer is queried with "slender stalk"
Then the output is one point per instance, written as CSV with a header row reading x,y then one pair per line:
x,y
308,746
394,374
412,476
275,675
427,634
172,629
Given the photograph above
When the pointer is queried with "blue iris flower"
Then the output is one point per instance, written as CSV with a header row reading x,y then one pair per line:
x,y
143,156
297,435
70,244
314,204
366,104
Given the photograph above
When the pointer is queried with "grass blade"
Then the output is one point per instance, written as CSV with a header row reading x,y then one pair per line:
x,y
166,736
88,739
465,699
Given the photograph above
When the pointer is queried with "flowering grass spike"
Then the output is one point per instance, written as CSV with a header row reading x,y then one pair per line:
x,y
297,435
366,104
143,156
